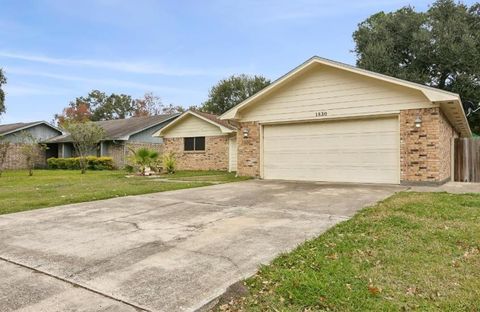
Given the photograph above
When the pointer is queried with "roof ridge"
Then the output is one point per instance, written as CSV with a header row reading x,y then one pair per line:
x,y
380,74
18,126
23,123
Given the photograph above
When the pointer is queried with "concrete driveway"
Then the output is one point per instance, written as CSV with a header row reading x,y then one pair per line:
x,y
171,251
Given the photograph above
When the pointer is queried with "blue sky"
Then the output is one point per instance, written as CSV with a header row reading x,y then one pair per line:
x,y
53,51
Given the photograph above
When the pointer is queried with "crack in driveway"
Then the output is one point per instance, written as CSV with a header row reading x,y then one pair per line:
x,y
75,284
198,252
172,251
134,224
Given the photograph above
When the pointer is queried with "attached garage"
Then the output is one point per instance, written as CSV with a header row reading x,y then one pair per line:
x,y
359,150
332,122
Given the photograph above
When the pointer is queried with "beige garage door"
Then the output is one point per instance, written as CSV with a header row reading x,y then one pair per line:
x,y
362,150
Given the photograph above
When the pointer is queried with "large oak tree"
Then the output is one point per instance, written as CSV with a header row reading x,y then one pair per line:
x,y
439,47
230,91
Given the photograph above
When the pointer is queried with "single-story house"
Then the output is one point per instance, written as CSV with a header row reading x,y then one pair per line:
x,y
121,135
201,141
39,130
328,121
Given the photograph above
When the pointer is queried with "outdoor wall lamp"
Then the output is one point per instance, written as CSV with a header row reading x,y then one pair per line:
x,y
245,132
418,122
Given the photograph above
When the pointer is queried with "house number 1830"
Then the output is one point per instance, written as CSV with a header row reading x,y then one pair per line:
x,y
320,114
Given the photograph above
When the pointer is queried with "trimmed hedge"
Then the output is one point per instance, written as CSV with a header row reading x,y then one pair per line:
x,y
73,163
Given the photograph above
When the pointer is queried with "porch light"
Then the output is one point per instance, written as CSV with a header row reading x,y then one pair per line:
x,y
418,122
245,132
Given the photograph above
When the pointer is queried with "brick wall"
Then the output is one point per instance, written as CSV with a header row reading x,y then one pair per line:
x,y
425,152
248,158
117,152
121,152
16,160
215,156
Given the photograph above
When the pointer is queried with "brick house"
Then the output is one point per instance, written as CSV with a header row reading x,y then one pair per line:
x,y
201,141
39,130
121,135
328,121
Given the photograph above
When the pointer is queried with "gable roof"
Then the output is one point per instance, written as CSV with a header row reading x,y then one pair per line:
x,y
224,125
216,119
434,95
122,129
19,126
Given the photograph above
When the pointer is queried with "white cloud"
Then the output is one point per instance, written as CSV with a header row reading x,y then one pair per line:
x,y
123,66
95,81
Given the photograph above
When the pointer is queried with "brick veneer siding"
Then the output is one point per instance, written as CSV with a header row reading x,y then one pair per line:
x,y
425,152
248,157
215,156
117,151
16,160
120,152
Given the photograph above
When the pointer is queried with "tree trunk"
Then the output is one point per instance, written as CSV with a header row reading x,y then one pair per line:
x,y
83,164
443,80
30,171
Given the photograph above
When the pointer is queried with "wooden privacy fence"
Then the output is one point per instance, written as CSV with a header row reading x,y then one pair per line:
x,y
467,160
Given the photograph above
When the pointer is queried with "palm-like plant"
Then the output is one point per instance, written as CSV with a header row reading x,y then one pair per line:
x,y
145,158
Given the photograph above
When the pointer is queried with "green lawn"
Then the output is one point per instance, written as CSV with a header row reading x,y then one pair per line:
x,y
46,188
413,251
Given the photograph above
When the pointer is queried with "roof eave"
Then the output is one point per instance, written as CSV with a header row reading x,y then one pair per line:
x,y
431,93
233,112
180,117
33,125
469,132
223,129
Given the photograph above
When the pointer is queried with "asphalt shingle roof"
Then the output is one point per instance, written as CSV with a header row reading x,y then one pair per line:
x,y
121,129
9,128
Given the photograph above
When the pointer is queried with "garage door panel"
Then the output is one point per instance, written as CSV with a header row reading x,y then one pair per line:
x,y
351,160
297,141
334,175
343,151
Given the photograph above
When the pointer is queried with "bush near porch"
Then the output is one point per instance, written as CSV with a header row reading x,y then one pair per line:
x,y
73,163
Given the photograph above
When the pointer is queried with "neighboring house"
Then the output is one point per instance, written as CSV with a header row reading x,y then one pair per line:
x,y
201,141
40,130
121,135
328,121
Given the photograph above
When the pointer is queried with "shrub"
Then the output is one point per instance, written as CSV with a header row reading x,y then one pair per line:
x,y
143,158
169,163
129,168
73,163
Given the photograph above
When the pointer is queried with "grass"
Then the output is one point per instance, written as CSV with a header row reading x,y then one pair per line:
x,y
413,251
46,188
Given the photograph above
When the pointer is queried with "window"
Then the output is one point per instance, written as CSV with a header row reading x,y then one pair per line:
x,y
194,144
188,144
200,143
